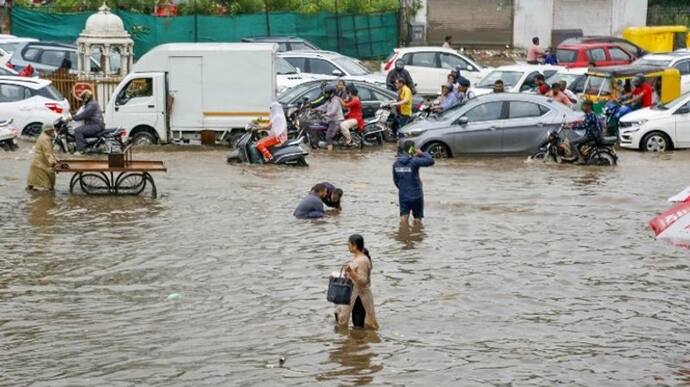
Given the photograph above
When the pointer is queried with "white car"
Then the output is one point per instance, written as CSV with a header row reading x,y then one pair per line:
x,y
331,65
679,59
659,128
31,102
288,76
429,66
516,78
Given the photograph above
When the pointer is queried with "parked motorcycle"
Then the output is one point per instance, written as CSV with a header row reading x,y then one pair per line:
x,y
289,153
379,129
424,110
107,141
557,148
8,135
613,111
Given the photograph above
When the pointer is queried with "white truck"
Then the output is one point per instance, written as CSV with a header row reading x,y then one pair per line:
x,y
177,90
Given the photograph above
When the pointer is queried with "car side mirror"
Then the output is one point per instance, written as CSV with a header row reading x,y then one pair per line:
x,y
337,73
298,70
683,110
462,121
469,68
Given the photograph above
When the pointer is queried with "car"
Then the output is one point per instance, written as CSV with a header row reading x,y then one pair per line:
x,y
285,43
502,123
31,102
429,66
288,76
370,94
516,78
584,54
657,129
46,57
10,45
331,64
627,45
575,79
679,59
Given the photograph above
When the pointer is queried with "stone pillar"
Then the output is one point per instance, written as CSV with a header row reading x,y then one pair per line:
x,y
106,61
86,57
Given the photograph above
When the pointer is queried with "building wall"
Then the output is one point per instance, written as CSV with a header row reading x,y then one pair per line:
x,y
532,18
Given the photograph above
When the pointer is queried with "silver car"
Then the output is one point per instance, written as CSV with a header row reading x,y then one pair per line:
x,y
503,123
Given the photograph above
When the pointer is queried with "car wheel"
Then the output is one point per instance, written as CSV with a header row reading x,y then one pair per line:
x,y
437,150
143,138
33,130
656,142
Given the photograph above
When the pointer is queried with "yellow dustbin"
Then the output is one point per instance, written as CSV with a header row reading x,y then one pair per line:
x,y
658,38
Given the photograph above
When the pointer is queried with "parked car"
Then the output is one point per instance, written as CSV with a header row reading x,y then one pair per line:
x,y
285,43
516,78
627,45
332,64
678,59
370,94
430,66
574,78
584,54
10,44
31,102
47,57
658,129
503,123
288,76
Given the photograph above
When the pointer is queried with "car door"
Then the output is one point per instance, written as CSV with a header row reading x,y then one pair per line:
x,y
139,103
423,68
525,128
618,56
597,56
682,118
51,59
323,67
684,67
299,63
13,105
369,101
482,132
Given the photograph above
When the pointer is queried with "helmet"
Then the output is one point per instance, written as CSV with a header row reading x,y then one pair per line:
x,y
464,82
399,64
638,80
85,95
329,90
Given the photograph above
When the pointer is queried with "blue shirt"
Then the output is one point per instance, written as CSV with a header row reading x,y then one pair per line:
x,y
310,207
591,126
449,100
406,175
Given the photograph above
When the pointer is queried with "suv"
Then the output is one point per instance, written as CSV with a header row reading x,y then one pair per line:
x,y
627,45
331,64
601,54
678,59
31,102
47,57
285,43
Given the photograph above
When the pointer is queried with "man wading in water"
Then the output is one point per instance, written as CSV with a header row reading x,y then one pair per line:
x,y
406,178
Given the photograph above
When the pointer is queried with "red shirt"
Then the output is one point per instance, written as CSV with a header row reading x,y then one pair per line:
x,y
354,107
646,90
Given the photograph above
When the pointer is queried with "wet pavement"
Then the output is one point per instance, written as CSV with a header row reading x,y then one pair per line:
x,y
523,274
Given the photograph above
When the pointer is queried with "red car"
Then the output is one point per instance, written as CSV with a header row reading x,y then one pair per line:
x,y
601,54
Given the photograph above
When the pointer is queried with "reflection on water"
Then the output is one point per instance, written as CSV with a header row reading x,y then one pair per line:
x,y
522,274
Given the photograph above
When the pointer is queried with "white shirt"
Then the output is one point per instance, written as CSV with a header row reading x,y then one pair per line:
x,y
278,122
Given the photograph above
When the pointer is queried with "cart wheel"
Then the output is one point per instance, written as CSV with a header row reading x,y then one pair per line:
x,y
94,184
130,184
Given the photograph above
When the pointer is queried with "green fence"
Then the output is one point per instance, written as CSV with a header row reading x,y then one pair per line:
x,y
362,36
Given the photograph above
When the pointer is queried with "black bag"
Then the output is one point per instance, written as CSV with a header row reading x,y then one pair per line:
x,y
339,289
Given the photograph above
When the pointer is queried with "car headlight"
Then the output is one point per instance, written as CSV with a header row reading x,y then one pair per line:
x,y
413,133
637,123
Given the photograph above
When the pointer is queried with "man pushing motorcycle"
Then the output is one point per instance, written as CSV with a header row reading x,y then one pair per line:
x,y
592,129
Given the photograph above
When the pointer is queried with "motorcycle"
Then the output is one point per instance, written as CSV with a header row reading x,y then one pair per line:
x,y
613,111
289,153
106,141
557,148
313,127
379,129
424,110
8,135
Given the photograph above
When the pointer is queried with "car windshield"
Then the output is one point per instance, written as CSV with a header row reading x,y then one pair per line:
x,y
673,104
653,62
284,67
509,78
350,66
290,94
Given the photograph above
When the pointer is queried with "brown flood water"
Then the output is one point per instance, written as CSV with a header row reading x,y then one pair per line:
x,y
524,274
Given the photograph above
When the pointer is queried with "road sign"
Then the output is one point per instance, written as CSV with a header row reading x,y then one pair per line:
x,y
79,88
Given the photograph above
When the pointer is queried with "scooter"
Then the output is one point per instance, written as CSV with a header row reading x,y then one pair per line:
x,y
107,141
8,136
613,111
289,153
380,128
557,148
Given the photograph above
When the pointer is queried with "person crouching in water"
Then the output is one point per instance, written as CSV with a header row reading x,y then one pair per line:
x,y
278,131
42,172
406,179
333,196
362,300
311,207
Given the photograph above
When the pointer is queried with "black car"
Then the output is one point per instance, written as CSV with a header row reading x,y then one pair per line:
x,y
370,94
625,44
285,43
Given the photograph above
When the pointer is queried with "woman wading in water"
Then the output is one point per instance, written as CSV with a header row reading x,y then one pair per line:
x,y
362,301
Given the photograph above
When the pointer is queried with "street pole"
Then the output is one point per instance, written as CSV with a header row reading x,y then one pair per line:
x,y
337,27
196,26
268,19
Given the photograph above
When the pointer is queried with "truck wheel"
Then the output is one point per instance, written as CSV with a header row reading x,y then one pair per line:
x,y
143,138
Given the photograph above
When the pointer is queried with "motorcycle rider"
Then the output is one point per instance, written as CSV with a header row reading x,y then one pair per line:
x,y
92,115
333,112
448,100
464,93
278,131
321,99
353,117
592,129
399,72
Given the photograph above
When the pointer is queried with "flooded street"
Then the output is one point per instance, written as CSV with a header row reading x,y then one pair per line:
x,y
523,274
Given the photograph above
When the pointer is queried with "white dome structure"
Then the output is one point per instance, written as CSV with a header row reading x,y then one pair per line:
x,y
105,40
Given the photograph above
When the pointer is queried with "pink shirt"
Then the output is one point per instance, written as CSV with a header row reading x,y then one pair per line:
x,y
535,52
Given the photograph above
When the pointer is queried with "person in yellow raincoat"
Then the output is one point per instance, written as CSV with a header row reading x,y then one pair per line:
x,y
362,301
42,172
